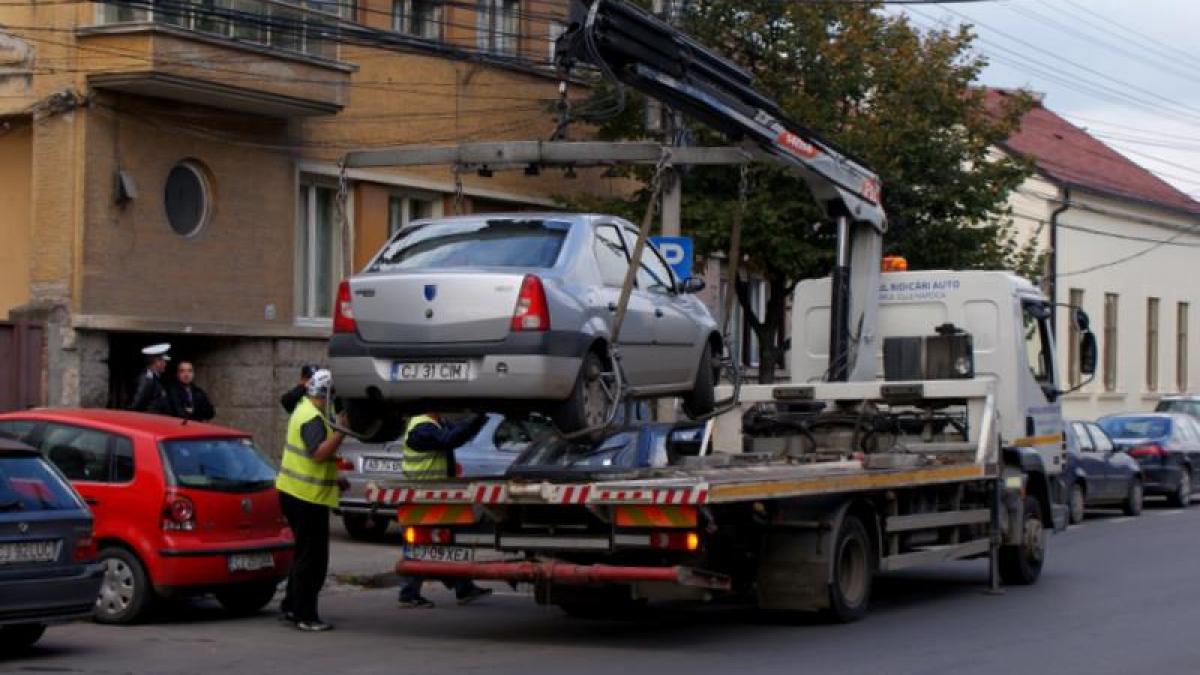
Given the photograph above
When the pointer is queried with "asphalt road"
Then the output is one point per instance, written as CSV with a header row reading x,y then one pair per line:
x,y
1118,595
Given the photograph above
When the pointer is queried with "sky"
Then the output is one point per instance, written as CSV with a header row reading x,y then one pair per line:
x,y
1126,70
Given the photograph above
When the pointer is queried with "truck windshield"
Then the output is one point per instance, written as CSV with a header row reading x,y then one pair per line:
x,y
1136,427
219,464
503,242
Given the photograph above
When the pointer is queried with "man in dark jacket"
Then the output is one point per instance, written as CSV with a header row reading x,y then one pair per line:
x,y
150,395
185,399
291,398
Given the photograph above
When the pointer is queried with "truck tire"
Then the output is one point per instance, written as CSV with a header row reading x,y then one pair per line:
x,y
1134,500
363,527
1021,564
588,404
246,599
1183,494
701,399
853,569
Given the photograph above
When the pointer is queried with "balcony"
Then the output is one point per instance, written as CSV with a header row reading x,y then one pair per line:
x,y
258,56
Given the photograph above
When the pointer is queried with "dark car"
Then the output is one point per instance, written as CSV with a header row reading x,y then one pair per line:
x,y
48,568
1166,445
1098,474
1180,403
632,447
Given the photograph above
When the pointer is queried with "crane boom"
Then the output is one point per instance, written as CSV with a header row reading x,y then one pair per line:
x,y
633,47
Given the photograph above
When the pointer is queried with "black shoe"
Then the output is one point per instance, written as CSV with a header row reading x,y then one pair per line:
x,y
317,626
474,594
418,602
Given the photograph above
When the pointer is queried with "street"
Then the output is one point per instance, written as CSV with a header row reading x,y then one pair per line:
x,y
1118,595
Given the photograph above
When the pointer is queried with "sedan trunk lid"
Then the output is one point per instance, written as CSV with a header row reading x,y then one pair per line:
x,y
435,307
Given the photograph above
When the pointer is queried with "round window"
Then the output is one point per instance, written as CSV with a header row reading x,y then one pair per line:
x,y
186,198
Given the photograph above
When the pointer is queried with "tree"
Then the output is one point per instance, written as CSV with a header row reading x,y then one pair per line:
x,y
905,102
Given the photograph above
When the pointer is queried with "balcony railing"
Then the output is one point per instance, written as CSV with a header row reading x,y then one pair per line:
x,y
307,28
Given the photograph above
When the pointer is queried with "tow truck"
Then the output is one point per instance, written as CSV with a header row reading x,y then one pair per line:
x,y
920,422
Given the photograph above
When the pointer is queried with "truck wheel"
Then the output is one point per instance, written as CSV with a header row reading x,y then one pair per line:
x,y
364,527
125,593
1133,501
590,399
1075,503
246,599
1183,494
701,399
853,567
16,639
1021,564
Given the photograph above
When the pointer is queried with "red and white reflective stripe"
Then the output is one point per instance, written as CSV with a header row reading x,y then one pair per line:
x,y
570,494
682,496
490,493
389,496
441,495
628,495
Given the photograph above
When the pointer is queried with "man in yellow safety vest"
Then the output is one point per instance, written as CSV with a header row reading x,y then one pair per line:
x,y
308,488
429,446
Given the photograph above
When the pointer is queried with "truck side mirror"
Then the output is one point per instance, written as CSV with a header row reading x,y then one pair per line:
x,y
1087,352
692,285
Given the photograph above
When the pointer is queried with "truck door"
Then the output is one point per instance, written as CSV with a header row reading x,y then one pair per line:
x,y
1039,385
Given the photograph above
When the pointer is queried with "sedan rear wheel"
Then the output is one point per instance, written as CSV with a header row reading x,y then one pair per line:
x,y
125,592
1183,494
701,399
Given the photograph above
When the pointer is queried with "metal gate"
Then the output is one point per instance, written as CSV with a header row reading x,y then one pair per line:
x,y
22,355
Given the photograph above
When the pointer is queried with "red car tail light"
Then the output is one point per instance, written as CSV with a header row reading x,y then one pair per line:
x,y
675,541
1148,450
532,313
344,464
343,310
428,535
458,469
85,549
179,513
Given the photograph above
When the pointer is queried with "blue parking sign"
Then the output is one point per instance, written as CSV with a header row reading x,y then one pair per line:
x,y
677,251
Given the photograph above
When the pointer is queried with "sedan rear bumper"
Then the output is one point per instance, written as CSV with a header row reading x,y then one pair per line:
x,y
1161,480
508,377
51,599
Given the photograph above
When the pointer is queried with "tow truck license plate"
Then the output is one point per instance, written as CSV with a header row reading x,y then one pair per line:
x,y
29,551
251,562
439,371
438,553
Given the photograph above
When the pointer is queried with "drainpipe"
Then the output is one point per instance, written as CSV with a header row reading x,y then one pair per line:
x,y
1064,204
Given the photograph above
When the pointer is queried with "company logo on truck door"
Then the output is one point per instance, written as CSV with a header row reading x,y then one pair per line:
x,y
917,289
796,145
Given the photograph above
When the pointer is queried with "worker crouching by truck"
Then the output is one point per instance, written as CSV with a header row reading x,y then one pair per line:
x,y
429,445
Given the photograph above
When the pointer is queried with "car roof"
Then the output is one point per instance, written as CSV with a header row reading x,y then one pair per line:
x,y
160,426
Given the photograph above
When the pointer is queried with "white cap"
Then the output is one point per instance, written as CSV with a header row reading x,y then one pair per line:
x,y
159,349
320,383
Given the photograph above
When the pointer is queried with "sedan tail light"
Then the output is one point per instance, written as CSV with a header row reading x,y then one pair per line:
x,y
85,549
179,513
1148,450
343,310
532,313
344,464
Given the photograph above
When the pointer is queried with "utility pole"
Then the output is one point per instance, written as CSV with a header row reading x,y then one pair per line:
x,y
668,122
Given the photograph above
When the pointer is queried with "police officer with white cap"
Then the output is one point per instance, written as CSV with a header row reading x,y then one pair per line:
x,y
151,395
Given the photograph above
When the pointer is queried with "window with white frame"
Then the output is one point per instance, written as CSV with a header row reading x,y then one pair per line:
x,y
1152,305
554,30
418,18
403,209
318,250
1110,341
499,26
1181,346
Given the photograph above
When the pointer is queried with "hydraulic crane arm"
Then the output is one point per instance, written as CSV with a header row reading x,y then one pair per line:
x,y
633,47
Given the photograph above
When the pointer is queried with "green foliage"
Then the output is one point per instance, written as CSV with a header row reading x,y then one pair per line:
x,y
906,103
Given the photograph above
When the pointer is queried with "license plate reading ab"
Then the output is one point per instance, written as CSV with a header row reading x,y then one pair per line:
x,y
440,371
438,553
251,562
29,551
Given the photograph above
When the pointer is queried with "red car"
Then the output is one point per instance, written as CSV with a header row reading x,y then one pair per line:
x,y
180,508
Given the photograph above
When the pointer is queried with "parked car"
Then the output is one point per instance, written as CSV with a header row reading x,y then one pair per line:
x,y
635,446
48,568
488,454
1098,474
1166,445
517,308
181,508
1180,403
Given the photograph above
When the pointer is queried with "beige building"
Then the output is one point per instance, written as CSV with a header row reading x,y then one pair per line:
x,y
171,174
1122,244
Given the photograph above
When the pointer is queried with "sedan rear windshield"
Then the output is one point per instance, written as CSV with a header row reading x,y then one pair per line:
x,y
503,242
219,464
1136,427
27,483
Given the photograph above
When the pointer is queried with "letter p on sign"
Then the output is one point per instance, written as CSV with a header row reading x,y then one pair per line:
x,y
677,252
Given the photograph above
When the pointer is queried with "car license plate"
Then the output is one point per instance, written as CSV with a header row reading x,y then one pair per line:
x,y
439,371
439,553
382,465
251,562
15,552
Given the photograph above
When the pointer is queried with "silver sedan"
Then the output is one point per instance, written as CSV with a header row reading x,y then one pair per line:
x,y
515,311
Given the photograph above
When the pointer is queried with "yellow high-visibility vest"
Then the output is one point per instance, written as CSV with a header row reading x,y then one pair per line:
x,y
423,465
299,474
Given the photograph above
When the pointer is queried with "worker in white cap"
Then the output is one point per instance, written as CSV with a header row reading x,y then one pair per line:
x,y
150,394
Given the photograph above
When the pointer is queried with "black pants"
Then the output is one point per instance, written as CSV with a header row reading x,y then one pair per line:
x,y
310,525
